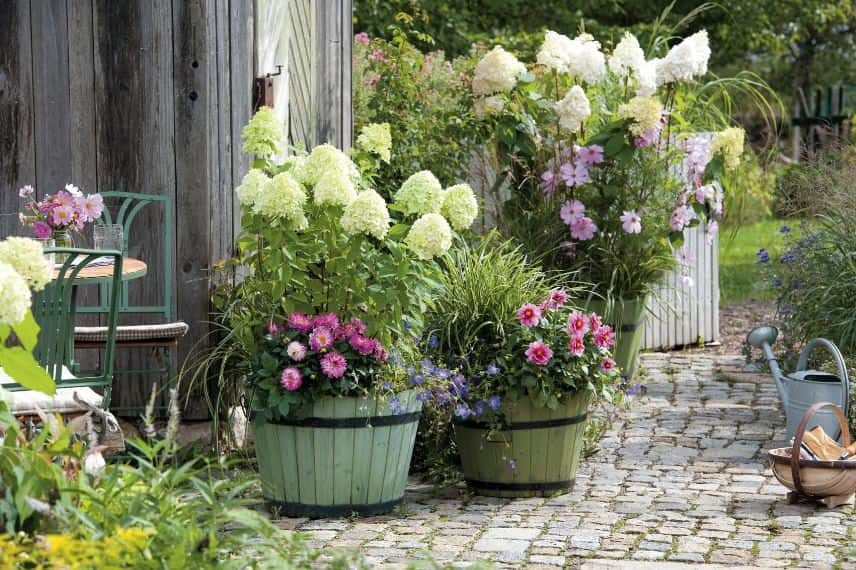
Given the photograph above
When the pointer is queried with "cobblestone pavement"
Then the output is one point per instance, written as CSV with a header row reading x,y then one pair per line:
x,y
682,477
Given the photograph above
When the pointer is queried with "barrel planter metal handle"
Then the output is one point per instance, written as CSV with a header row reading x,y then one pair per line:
x,y
536,453
345,456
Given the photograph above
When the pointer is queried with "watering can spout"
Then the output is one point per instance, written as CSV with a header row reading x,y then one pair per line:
x,y
763,338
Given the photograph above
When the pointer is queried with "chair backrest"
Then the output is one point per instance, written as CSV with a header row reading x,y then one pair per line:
x,y
54,309
123,208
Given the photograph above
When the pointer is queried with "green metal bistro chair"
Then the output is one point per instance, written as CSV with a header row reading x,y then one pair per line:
x,y
161,336
54,309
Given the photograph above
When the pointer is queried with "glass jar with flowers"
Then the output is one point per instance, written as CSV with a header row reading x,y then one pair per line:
x,y
58,215
599,170
329,275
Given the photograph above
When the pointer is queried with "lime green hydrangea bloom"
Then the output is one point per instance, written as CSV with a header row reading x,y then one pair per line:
x,y
729,145
283,197
263,135
420,194
14,295
376,138
27,258
645,113
367,214
429,236
334,188
251,186
323,159
460,206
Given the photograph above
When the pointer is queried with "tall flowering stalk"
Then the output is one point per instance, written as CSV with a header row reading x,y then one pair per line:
x,y
603,178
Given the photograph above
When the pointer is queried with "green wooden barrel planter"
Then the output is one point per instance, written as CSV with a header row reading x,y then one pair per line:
x,y
535,455
344,456
627,318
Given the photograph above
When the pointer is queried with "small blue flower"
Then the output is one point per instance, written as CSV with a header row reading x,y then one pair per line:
x,y
427,366
785,229
433,342
784,309
492,369
406,324
478,408
442,373
411,371
763,256
512,465
395,405
442,396
789,257
418,379
424,396
635,389
417,340
387,385
494,402
463,411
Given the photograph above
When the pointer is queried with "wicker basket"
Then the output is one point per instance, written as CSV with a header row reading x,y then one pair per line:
x,y
833,482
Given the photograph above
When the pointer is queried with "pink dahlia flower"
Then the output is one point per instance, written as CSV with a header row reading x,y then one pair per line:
x,y
291,379
296,350
529,315
607,365
299,322
578,323
333,365
539,353
330,321
577,345
321,338
595,321
604,337
363,344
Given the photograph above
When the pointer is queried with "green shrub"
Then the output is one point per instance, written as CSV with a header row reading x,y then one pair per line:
x,y
801,187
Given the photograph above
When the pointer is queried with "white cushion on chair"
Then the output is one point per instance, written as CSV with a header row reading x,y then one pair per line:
x,y
133,332
24,402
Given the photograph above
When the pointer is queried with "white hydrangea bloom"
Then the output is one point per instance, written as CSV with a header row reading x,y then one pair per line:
x,y
573,109
14,295
555,51
27,258
334,188
729,145
686,60
488,105
367,215
460,206
323,159
377,139
627,57
645,112
251,186
646,79
579,57
422,193
429,236
283,197
497,72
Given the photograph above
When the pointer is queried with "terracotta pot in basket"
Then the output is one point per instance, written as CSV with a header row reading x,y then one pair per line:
x,y
834,482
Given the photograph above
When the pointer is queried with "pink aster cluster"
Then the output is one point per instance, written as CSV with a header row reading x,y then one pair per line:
x,y
320,345
68,209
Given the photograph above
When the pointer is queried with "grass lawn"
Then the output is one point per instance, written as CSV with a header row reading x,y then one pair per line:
x,y
740,278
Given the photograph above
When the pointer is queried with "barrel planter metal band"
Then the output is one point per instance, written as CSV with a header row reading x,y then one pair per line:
x,y
342,456
627,318
535,453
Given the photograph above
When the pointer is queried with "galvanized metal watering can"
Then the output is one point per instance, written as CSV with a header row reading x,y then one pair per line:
x,y
802,388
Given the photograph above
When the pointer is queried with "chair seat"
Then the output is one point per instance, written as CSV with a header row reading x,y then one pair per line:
x,y
133,333
26,402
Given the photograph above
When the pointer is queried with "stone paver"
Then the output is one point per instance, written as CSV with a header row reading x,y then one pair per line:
x,y
681,481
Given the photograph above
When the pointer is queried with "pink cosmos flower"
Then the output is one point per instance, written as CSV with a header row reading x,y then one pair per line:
x,y
684,256
578,324
26,191
539,353
363,344
592,154
299,322
681,217
291,379
607,365
296,351
333,365
557,298
62,216
362,38
595,322
572,211
63,198
604,337
42,230
529,315
330,321
378,55
90,207
548,183
321,338
577,345
574,175
583,228
631,222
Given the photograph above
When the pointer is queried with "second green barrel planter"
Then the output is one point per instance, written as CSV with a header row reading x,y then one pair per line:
x,y
344,456
535,454
627,318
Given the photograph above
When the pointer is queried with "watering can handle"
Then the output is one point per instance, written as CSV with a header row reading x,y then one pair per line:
x,y
798,440
802,364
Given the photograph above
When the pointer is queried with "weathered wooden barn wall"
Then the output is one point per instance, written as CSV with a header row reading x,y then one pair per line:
x,y
150,96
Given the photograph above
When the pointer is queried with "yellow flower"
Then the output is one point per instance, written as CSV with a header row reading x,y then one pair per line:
x,y
645,113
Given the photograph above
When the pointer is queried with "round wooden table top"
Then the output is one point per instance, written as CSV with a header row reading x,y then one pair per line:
x,y
131,269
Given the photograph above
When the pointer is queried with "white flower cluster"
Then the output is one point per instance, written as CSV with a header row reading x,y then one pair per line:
x,y
14,295
251,186
421,193
430,236
27,258
628,60
283,197
573,109
729,145
645,112
488,105
376,138
686,60
497,72
323,159
579,57
367,214
334,188
460,206
263,135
